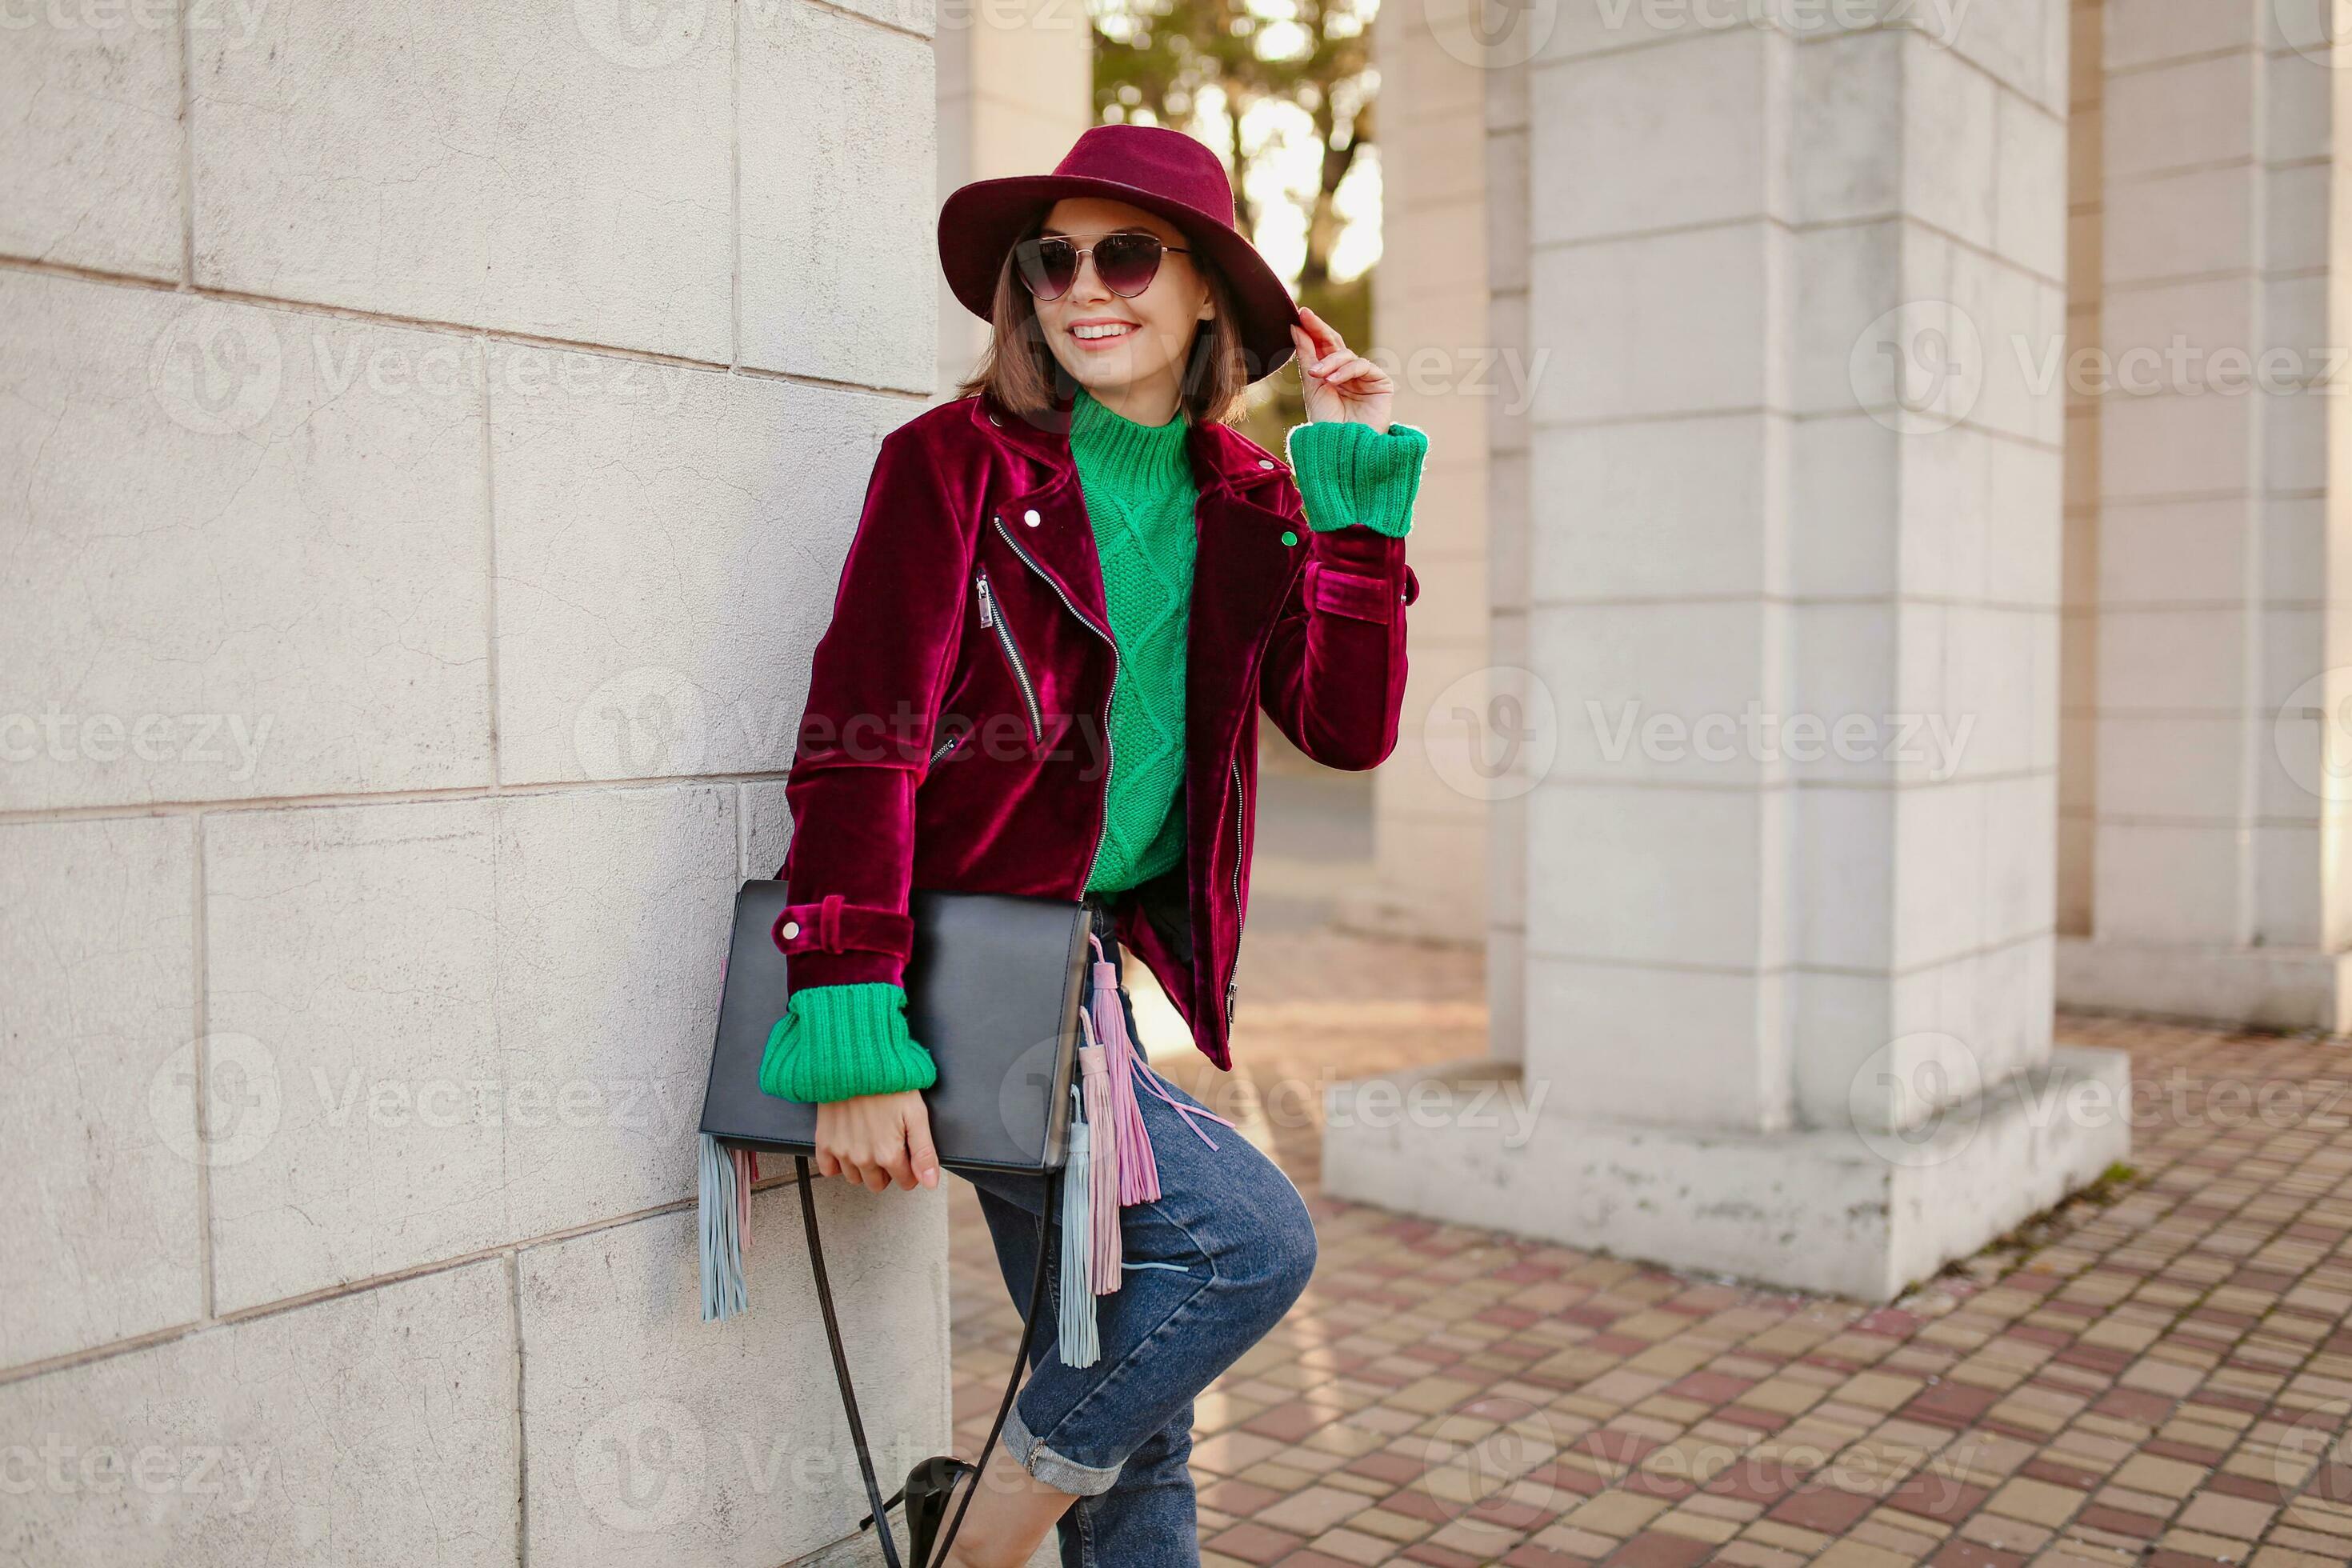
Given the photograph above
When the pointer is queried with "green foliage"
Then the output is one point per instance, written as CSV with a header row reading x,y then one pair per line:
x,y
1168,62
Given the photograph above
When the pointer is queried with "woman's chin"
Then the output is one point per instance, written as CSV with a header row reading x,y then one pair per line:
x,y
1108,369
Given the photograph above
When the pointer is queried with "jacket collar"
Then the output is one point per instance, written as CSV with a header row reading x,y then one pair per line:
x,y
1222,458
1245,554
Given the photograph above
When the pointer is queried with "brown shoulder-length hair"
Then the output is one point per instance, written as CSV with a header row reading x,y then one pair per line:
x,y
1020,372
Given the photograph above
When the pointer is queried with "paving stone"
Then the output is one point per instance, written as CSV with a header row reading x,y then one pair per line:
x,y
2152,1385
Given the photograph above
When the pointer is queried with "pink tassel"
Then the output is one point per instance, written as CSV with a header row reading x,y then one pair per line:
x,y
1139,1169
1102,1167
1139,1172
747,1170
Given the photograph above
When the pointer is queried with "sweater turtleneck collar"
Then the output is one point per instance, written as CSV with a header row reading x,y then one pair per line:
x,y
1132,455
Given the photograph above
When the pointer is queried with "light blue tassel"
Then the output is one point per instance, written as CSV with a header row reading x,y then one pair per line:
x,y
1079,1344
723,1293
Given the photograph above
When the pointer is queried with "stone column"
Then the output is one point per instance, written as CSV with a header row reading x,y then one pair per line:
x,y
2216,796
1793,525
1016,89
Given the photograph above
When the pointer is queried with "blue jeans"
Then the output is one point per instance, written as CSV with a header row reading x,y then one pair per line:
x,y
1212,1265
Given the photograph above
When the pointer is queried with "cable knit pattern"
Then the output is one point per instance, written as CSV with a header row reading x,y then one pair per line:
x,y
1137,482
1349,474
837,1042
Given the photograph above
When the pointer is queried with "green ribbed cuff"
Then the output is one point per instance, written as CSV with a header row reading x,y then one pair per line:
x,y
1349,473
837,1042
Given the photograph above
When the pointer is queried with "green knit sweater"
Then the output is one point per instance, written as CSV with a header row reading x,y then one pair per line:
x,y
837,1042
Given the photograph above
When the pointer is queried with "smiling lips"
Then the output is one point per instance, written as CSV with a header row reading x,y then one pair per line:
x,y
1097,333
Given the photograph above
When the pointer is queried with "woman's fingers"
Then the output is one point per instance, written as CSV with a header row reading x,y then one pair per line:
x,y
919,1152
1322,333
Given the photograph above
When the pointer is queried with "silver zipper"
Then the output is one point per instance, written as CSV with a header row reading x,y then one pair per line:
x,y
989,618
1113,644
944,747
1239,805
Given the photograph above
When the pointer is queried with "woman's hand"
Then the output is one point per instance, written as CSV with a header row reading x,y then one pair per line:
x,y
1339,384
877,1139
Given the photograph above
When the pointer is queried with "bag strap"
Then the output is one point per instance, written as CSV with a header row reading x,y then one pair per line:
x,y
1046,1231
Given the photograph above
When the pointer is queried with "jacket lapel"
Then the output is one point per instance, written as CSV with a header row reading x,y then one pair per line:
x,y
1241,572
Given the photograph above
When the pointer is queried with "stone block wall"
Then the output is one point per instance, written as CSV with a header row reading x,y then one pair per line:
x,y
431,437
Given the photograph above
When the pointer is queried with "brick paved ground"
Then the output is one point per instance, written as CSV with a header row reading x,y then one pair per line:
x,y
2162,1378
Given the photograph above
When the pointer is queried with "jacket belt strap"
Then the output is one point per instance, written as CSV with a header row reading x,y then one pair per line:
x,y
833,924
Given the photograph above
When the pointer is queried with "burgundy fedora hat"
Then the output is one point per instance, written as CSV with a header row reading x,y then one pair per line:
x,y
1162,171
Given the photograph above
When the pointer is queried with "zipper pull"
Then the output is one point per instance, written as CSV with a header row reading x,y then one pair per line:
x,y
987,610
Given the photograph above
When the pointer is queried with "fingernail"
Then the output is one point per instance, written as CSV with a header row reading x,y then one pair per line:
x,y
931,1178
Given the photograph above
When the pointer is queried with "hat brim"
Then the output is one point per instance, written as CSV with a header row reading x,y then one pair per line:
x,y
980,222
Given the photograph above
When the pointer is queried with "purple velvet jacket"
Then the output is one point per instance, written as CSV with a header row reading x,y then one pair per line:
x,y
955,731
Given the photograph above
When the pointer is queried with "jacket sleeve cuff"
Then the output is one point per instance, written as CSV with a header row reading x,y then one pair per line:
x,y
1350,475
837,1042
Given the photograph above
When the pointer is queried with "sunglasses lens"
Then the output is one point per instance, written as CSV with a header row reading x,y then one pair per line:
x,y
1128,262
1046,266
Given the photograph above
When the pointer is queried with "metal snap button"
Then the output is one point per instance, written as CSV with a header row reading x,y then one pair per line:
x,y
792,930
1265,462
1031,517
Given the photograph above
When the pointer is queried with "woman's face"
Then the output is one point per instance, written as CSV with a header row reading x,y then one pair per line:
x,y
1115,345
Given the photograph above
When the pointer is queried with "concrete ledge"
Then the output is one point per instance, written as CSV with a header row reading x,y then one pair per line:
x,y
1856,1215
2259,987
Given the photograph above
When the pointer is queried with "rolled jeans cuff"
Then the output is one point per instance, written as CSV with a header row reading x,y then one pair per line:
x,y
1061,1473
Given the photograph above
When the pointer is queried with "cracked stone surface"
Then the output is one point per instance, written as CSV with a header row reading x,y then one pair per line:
x,y
98,1195
472,1022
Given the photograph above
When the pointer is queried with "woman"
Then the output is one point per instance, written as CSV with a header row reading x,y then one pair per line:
x,y
1071,591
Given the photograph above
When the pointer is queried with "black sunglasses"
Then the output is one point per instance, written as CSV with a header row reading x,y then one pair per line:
x,y
1126,262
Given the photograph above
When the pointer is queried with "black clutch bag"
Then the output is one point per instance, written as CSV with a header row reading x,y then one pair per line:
x,y
994,984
